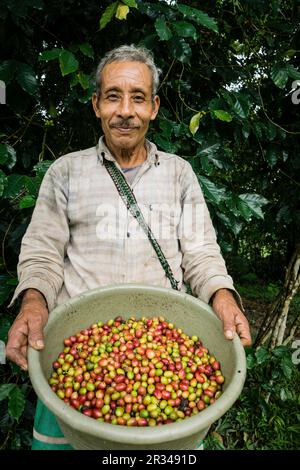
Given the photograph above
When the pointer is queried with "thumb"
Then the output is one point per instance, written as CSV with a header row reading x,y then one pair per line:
x,y
229,327
35,334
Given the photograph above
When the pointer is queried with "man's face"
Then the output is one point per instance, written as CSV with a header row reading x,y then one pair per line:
x,y
125,106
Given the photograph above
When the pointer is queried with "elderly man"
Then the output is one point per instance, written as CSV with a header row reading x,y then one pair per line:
x,y
75,242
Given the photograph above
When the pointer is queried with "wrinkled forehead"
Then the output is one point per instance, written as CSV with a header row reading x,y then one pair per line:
x,y
126,75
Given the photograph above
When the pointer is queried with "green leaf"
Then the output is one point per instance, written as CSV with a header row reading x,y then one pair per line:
x,y
3,182
130,3
270,131
87,49
212,153
41,167
258,129
108,14
122,11
251,361
167,127
180,130
74,80
212,192
51,54
87,96
8,156
279,75
250,204
26,78
68,62
237,46
166,144
275,374
84,80
262,355
14,186
233,225
195,122
287,367
27,201
222,115
290,53
272,155
32,184
249,350
164,33
283,395
206,165
7,70
231,203
5,390
295,428
199,16
281,351
16,403
180,49
292,72
208,150
238,109
238,102
185,29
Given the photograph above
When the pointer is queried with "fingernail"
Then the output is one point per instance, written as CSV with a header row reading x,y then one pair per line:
x,y
229,334
24,367
39,343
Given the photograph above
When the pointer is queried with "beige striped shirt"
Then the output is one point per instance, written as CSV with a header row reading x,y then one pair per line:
x,y
81,235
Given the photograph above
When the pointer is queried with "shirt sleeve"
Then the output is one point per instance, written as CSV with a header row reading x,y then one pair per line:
x,y
203,265
43,247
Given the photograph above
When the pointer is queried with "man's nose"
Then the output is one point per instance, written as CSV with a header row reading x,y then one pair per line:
x,y
126,107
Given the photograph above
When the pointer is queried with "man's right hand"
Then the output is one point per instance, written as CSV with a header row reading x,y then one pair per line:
x,y
27,328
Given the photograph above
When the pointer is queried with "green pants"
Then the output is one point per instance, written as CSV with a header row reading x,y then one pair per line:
x,y
47,434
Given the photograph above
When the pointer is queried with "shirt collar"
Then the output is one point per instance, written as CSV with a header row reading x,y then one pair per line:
x,y
103,151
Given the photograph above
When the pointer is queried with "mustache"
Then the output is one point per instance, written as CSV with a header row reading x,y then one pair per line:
x,y
125,123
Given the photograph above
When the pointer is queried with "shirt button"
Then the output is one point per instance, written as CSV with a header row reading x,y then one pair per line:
x,y
128,234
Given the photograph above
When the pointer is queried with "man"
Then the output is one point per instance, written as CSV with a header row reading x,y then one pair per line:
x,y
65,251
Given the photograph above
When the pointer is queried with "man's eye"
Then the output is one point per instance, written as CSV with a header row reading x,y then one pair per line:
x,y
112,97
138,99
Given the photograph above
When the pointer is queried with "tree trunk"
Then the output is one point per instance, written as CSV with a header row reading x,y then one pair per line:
x,y
294,326
280,325
273,327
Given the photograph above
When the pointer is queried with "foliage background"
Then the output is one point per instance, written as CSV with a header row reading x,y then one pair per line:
x,y
228,71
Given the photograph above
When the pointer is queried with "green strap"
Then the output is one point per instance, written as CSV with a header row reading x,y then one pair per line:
x,y
131,203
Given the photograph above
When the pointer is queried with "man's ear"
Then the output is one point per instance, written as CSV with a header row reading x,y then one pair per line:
x,y
95,100
155,107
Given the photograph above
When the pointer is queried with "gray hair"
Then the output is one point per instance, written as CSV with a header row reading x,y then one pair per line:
x,y
130,53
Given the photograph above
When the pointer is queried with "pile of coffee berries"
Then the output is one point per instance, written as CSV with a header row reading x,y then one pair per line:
x,y
136,373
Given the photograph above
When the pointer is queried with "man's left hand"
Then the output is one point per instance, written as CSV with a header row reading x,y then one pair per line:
x,y
233,319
